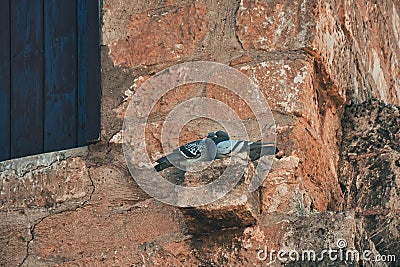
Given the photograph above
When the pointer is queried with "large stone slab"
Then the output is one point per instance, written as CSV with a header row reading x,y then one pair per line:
x,y
356,43
44,181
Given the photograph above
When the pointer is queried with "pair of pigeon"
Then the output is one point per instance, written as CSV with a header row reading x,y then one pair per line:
x,y
216,145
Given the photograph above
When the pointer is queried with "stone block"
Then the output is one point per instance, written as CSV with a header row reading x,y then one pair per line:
x,y
14,235
276,25
48,186
151,36
354,44
237,209
303,178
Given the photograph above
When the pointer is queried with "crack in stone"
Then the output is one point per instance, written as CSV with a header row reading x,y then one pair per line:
x,y
235,26
39,168
91,193
22,166
31,169
32,228
31,231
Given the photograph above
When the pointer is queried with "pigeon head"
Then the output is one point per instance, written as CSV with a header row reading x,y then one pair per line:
x,y
218,136
222,134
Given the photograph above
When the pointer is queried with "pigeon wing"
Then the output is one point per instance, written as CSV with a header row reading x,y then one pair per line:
x,y
230,148
192,150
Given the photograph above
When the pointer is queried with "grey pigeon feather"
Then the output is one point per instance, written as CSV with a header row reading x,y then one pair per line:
x,y
255,150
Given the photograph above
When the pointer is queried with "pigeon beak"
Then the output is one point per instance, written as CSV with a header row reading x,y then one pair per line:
x,y
212,135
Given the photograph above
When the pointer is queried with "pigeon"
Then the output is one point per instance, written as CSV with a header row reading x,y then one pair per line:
x,y
218,136
255,150
199,150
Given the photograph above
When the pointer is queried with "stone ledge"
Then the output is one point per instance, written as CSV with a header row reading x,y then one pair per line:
x,y
239,208
49,184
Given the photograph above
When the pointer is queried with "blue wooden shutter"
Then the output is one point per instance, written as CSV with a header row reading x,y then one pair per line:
x,y
49,75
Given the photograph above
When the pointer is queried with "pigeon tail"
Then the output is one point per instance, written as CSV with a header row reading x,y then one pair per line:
x,y
162,160
161,166
259,149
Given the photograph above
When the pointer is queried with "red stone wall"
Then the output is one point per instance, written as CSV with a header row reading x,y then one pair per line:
x,y
309,59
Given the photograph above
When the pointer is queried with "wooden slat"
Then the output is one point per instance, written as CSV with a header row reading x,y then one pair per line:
x,y
82,69
5,81
60,20
26,77
89,71
92,132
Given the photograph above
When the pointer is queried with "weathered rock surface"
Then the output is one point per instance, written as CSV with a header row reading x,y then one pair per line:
x,y
239,208
357,42
40,188
151,35
370,170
